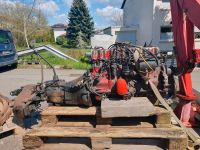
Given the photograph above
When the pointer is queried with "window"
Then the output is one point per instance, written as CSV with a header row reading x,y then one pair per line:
x,y
166,33
5,37
165,1
166,4
197,35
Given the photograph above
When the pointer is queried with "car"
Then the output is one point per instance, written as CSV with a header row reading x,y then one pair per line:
x,y
8,54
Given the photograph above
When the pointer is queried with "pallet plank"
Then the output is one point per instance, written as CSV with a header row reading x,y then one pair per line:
x,y
178,144
101,137
70,111
49,120
101,143
63,147
74,124
135,107
8,126
116,132
84,147
32,142
163,118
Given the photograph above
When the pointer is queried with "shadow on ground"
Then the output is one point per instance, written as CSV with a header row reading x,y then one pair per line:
x,y
6,69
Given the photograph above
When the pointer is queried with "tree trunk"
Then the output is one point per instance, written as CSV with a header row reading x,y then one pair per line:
x,y
25,33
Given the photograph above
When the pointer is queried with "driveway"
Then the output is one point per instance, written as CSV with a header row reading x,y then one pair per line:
x,y
13,79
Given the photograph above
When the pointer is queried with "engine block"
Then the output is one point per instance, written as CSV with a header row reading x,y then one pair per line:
x,y
121,72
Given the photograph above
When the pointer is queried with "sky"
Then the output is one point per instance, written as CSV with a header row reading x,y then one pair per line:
x,y
101,10
56,11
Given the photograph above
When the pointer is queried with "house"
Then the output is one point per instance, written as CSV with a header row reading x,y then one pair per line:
x,y
144,21
59,29
122,34
153,21
112,35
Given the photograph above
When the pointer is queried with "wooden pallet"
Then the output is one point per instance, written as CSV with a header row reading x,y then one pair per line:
x,y
101,138
9,126
76,122
91,117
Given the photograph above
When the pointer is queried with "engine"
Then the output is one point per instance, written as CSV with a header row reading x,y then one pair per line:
x,y
120,72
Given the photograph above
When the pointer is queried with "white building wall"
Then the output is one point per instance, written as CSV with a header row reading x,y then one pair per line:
x,y
126,36
114,34
139,13
58,32
197,43
113,29
161,18
150,16
102,40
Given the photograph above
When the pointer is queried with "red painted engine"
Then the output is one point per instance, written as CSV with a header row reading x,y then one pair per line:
x,y
123,71
120,72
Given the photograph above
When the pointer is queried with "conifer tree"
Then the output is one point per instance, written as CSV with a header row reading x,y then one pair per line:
x,y
81,25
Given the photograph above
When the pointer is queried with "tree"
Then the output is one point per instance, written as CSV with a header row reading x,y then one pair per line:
x,y
81,25
23,20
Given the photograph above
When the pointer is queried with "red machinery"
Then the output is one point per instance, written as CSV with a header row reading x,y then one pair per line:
x,y
185,15
123,71
120,72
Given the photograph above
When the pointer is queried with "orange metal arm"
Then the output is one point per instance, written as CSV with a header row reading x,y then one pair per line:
x,y
185,15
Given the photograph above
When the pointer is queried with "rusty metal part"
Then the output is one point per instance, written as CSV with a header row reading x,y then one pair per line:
x,y
56,96
5,111
23,99
195,107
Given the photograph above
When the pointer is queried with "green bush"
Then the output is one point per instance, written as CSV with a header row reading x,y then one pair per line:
x,y
65,44
39,40
84,59
61,40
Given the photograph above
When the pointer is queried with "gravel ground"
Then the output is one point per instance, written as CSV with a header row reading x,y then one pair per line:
x,y
13,79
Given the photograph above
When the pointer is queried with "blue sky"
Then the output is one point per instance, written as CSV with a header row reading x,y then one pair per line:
x,y
56,11
101,10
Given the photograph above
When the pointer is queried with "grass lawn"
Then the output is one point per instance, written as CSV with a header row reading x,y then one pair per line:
x,y
78,54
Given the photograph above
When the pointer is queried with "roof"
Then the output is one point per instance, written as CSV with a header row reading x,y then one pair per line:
x,y
112,27
122,7
59,25
106,28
